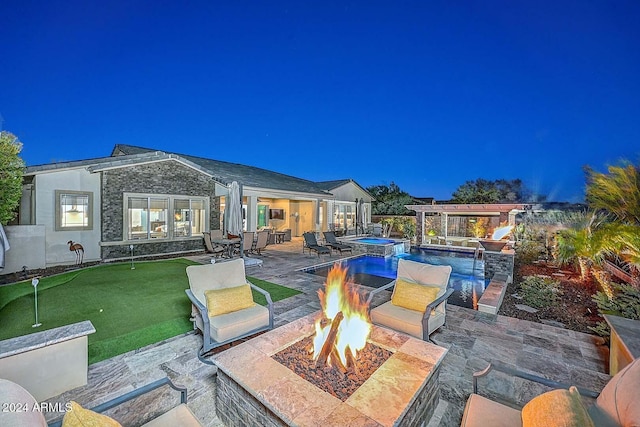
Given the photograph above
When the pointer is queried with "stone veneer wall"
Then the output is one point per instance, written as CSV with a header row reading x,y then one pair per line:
x,y
236,407
499,263
167,177
379,250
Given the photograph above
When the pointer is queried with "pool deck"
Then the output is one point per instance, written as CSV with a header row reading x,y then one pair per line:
x,y
472,338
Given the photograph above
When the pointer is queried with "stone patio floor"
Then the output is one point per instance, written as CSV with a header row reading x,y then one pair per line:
x,y
472,338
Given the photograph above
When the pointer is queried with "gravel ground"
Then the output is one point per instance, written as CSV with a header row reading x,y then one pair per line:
x,y
576,310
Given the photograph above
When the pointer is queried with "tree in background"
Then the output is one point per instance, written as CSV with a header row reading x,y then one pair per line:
x,y
617,192
498,191
11,168
390,200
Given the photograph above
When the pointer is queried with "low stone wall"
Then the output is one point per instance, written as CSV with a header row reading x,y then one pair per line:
x,y
50,362
492,297
238,408
384,250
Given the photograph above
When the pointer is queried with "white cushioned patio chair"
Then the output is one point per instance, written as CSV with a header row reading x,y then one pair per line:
x,y
615,406
27,415
223,308
419,300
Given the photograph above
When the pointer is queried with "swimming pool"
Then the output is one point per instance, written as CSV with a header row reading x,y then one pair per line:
x,y
374,240
467,277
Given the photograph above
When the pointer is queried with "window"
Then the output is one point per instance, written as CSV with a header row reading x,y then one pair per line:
x,y
189,217
74,210
148,217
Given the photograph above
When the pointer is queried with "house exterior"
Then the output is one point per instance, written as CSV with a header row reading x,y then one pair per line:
x,y
142,202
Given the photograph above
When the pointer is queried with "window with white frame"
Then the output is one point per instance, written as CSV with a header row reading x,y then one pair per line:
x,y
189,217
147,217
74,210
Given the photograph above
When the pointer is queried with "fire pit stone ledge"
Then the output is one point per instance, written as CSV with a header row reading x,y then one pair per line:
x,y
253,389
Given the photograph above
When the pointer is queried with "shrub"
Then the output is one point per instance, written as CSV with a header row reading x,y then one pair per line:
x,y
540,292
529,251
624,303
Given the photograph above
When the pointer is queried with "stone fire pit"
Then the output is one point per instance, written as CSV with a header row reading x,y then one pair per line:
x,y
253,389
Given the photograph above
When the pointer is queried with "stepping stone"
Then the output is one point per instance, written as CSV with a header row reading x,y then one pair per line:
x,y
516,296
558,274
553,323
545,276
566,272
526,308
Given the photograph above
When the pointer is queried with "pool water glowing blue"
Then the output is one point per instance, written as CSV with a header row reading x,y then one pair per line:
x,y
467,278
374,241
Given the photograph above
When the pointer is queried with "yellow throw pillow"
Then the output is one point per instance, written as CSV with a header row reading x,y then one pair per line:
x,y
412,295
81,417
227,300
556,408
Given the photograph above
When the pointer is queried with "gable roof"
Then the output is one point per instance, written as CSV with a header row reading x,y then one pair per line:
x,y
330,185
227,172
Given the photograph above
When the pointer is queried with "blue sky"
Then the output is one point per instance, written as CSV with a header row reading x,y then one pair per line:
x,y
426,94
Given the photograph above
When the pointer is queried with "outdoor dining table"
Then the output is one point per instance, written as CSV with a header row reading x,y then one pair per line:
x,y
227,244
279,236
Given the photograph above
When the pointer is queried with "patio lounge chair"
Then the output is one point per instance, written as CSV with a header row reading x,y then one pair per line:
x,y
262,241
332,242
419,300
216,250
222,304
615,405
311,243
247,242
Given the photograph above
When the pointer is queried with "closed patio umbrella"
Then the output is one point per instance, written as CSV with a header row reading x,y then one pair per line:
x,y
233,210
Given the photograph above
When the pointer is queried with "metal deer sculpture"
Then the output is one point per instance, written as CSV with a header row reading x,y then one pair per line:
x,y
78,249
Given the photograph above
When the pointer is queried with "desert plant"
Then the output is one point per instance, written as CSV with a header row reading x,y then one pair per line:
x,y
539,292
529,251
617,192
586,242
625,302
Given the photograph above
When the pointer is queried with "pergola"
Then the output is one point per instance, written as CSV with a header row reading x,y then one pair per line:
x,y
505,211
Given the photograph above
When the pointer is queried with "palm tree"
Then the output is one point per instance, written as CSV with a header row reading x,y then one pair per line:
x,y
587,242
628,239
617,192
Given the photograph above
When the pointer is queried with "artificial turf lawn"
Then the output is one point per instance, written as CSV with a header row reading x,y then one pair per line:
x,y
128,308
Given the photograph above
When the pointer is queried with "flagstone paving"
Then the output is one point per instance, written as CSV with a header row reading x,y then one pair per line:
x,y
472,338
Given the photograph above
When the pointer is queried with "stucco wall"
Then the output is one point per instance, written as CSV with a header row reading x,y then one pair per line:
x,y
163,178
27,244
56,247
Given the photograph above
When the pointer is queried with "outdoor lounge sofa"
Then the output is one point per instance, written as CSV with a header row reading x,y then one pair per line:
x,y
222,304
24,408
418,304
616,405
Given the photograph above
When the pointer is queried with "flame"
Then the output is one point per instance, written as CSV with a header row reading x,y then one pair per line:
x,y
340,295
501,232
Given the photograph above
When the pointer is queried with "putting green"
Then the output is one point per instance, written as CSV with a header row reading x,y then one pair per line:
x,y
129,308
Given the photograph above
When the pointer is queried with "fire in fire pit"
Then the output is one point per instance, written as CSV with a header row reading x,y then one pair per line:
x,y
337,359
343,329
